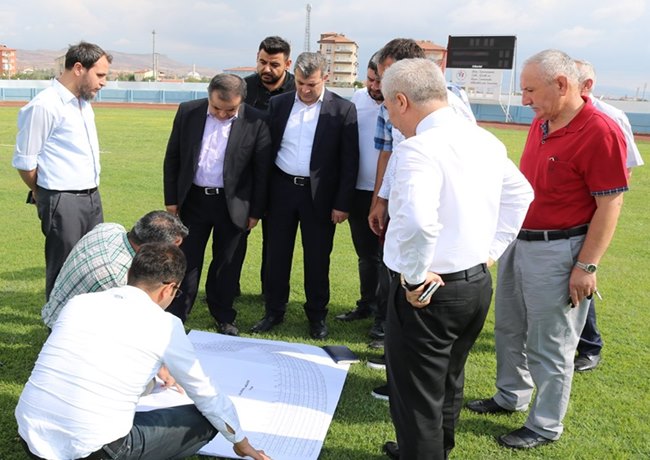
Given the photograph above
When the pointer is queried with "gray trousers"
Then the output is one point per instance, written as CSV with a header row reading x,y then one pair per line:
x,y
536,331
65,218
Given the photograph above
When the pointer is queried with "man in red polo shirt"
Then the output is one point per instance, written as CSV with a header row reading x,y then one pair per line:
x,y
575,160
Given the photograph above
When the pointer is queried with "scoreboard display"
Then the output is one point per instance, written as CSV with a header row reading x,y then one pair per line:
x,y
481,52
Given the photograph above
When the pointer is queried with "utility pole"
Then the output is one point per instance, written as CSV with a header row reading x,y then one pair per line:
x,y
154,64
308,29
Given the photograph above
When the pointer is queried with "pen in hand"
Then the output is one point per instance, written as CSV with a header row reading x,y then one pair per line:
x,y
600,297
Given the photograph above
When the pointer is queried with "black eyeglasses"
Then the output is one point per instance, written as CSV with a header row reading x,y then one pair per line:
x,y
178,292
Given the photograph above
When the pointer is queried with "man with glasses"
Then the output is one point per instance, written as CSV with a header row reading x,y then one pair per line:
x,y
81,397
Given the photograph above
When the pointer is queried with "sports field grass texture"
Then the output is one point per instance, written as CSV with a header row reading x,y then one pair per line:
x,y
609,413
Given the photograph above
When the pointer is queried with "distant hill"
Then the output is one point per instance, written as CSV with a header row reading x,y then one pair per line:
x,y
122,62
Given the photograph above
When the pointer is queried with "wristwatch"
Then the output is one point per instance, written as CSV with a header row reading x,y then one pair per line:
x,y
407,286
589,268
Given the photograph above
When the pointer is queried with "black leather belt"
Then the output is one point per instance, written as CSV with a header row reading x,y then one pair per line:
x,y
551,235
456,276
209,190
87,191
296,180
464,274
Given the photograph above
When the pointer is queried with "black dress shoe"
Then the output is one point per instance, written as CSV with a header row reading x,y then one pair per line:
x,y
227,329
267,323
584,363
487,406
523,438
391,449
318,329
377,331
353,315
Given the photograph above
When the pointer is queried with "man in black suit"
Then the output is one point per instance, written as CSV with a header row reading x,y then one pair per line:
x,y
216,173
316,147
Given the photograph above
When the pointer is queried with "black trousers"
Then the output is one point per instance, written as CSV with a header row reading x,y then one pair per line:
x,y
426,351
291,205
205,214
65,218
366,245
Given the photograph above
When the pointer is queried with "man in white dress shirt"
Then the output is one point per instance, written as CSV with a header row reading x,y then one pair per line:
x,y
591,342
366,244
57,154
456,203
316,152
80,399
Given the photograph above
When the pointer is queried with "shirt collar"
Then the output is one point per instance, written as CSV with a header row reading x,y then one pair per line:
x,y
436,118
287,85
320,98
64,93
229,120
576,123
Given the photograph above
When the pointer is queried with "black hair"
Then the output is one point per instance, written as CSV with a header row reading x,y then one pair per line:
x,y
157,263
275,45
87,54
400,48
228,86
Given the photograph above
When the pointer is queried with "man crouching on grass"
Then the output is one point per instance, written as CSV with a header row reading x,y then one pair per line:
x,y
80,399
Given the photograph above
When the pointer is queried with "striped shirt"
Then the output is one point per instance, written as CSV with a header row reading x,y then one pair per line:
x,y
99,261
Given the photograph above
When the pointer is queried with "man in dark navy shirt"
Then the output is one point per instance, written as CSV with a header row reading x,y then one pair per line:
x,y
271,78
272,75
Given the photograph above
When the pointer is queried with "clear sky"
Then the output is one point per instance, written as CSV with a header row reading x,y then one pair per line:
x,y
613,34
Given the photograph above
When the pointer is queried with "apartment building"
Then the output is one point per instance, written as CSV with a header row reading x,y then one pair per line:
x,y
436,53
7,61
342,57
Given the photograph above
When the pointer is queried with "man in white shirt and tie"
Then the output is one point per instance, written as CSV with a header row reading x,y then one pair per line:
x,y
456,202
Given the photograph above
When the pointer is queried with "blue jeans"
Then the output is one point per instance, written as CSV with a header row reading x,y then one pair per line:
x,y
175,432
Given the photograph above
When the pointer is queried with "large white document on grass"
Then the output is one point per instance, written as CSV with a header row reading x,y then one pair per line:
x,y
285,393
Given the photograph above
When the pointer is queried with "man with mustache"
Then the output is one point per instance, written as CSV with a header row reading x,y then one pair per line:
x,y
271,78
574,158
57,154
366,244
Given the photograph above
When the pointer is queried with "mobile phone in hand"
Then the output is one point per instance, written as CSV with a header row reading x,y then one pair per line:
x,y
428,292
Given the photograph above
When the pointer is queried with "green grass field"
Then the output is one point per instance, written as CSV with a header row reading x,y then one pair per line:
x,y
609,414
